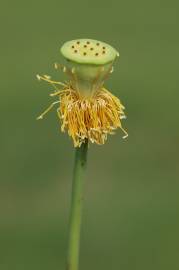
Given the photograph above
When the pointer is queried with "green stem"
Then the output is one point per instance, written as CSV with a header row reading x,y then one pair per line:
x,y
76,207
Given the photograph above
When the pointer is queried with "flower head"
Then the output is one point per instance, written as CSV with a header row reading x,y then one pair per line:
x,y
86,109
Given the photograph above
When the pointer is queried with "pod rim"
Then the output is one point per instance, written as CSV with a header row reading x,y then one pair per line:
x,y
89,51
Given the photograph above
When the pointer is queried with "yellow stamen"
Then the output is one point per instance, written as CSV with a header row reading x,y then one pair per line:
x,y
91,118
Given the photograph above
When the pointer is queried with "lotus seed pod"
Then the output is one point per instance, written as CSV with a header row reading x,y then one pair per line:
x,y
88,63
86,109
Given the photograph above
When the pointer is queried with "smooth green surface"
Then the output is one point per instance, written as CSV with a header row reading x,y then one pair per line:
x,y
79,175
89,63
86,78
131,207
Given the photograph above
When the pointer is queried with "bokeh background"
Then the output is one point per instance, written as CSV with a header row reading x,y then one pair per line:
x,y
131,211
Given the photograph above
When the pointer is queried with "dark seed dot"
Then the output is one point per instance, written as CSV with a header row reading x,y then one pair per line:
x,y
73,47
78,42
104,52
75,51
88,42
96,54
85,46
91,49
84,53
97,44
104,48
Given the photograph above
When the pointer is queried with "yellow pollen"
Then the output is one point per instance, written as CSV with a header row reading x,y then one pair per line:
x,y
91,118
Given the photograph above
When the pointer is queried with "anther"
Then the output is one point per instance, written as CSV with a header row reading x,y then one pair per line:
x,y
38,77
112,69
73,70
123,116
125,136
47,77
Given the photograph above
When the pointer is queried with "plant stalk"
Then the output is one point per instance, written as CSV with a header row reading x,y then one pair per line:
x,y
76,207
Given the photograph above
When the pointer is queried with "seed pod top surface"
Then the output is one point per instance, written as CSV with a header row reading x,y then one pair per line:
x,y
89,51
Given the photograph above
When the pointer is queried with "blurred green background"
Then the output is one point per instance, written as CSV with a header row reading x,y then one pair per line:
x,y
130,218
